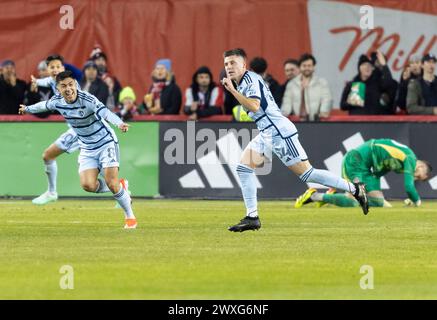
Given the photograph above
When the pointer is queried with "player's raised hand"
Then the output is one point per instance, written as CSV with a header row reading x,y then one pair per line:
x,y
33,80
124,127
22,109
227,83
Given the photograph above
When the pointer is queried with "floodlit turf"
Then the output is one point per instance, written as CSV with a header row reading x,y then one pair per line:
x,y
182,250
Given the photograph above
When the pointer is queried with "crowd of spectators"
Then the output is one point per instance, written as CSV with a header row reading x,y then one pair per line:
x,y
372,91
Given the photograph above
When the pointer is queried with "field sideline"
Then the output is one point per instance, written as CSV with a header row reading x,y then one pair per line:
x,y
182,250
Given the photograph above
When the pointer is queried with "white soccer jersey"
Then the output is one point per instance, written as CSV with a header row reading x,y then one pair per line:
x,y
269,116
86,116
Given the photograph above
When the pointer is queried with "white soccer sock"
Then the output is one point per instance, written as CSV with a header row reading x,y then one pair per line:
x,y
248,188
51,169
328,179
103,187
124,201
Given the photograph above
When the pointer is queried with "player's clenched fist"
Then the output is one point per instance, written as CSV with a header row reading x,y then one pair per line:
x,y
227,83
124,127
22,109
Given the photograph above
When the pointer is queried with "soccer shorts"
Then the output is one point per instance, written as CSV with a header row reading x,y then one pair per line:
x,y
288,150
106,156
355,169
68,141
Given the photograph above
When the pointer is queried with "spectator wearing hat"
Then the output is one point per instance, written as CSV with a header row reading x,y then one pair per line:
x,y
127,108
93,84
164,96
307,95
203,98
12,90
422,92
259,65
412,71
362,95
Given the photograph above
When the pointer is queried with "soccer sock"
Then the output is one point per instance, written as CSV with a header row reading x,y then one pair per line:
x,y
340,200
102,187
248,189
51,169
328,179
124,201
376,202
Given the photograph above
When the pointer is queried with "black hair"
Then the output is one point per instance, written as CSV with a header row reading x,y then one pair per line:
x,y
54,57
258,65
235,52
64,75
292,61
305,57
195,85
428,168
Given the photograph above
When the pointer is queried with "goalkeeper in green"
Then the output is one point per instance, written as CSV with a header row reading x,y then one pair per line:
x,y
367,164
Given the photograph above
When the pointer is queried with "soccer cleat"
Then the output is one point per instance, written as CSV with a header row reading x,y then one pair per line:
x,y
45,198
130,223
320,204
124,183
361,196
305,198
247,223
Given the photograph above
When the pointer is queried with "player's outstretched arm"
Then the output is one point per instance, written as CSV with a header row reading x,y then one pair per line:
x,y
112,118
44,82
35,108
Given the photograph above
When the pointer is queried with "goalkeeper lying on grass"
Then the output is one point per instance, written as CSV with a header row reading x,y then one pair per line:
x,y
367,164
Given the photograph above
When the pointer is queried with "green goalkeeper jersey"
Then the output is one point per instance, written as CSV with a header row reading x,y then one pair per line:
x,y
386,155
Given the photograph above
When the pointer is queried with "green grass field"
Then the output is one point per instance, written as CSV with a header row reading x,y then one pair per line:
x,y
182,250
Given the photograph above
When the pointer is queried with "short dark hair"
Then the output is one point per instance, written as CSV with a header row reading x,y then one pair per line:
x,y
54,57
305,57
235,52
428,168
258,65
64,75
291,61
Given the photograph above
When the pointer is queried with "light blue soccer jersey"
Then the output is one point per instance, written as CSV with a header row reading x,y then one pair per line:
x,y
269,116
49,82
87,116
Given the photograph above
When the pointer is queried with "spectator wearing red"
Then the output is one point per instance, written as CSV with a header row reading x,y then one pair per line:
x,y
203,98
164,96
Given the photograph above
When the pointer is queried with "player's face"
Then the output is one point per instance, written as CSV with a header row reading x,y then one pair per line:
x,y
291,71
307,68
55,67
68,89
235,67
203,79
421,172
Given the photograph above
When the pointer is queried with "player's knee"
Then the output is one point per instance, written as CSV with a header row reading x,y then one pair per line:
x,y
89,186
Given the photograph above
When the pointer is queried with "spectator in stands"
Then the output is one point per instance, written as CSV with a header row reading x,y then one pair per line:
x,y
259,65
37,93
412,71
93,84
127,107
422,92
291,71
12,90
164,96
230,102
364,94
307,95
101,60
203,98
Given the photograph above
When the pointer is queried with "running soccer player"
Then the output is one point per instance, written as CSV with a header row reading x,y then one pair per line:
x,y
367,164
277,134
67,142
97,141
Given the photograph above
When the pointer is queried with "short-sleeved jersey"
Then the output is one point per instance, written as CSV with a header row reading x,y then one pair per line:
x,y
86,116
269,116
387,155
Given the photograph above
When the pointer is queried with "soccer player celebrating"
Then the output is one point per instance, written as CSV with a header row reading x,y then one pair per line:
x,y
67,142
98,143
367,164
277,134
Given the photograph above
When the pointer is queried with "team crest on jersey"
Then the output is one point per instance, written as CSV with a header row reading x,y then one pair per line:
x,y
81,113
